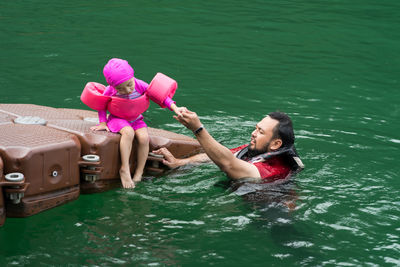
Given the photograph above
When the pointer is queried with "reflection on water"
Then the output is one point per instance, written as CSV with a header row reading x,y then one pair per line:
x,y
267,194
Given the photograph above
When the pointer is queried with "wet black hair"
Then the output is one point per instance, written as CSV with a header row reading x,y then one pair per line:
x,y
284,129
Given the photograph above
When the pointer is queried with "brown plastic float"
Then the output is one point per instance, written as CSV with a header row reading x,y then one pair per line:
x,y
48,156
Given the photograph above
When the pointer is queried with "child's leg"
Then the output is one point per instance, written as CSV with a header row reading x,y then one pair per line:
x,y
125,147
142,137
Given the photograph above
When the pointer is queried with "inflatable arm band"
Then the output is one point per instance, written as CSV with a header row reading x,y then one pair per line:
x,y
160,88
93,97
128,109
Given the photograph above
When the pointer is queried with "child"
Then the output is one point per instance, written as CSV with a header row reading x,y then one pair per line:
x,y
123,84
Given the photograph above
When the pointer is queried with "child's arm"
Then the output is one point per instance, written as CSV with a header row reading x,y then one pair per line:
x,y
142,86
103,122
170,104
103,114
100,127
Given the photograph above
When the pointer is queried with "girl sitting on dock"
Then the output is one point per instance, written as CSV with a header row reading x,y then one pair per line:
x,y
122,91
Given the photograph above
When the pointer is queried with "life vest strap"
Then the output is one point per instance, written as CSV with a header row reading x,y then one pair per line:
x,y
297,164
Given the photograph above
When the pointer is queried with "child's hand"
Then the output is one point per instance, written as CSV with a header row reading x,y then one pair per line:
x,y
182,109
178,110
100,127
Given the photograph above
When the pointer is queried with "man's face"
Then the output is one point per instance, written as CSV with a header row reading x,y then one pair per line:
x,y
261,137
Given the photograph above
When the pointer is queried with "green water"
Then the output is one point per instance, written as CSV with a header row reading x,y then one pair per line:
x,y
332,65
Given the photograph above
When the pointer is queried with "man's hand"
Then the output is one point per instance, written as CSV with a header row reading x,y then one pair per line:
x,y
169,159
189,119
219,154
178,110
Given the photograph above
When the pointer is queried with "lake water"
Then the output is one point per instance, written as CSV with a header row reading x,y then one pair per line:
x,y
333,66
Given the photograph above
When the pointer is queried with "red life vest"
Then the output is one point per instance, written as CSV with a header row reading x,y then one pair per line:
x,y
273,165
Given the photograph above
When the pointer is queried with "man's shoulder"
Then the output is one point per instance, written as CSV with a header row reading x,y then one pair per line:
x,y
270,169
273,168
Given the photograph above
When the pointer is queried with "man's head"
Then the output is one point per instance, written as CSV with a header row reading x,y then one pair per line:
x,y
273,132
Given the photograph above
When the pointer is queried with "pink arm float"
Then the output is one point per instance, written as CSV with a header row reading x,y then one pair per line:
x,y
160,88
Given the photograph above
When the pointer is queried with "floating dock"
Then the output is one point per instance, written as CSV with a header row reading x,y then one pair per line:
x,y
49,156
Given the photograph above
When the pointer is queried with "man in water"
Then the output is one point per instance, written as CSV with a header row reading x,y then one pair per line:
x,y
269,156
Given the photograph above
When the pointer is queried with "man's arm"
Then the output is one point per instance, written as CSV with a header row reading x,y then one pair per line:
x,y
219,154
172,162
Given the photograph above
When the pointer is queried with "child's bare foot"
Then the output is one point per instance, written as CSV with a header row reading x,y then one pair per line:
x,y
126,179
137,177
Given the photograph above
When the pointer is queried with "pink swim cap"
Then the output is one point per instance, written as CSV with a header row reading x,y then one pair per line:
x,y
117,71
